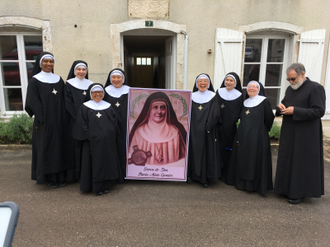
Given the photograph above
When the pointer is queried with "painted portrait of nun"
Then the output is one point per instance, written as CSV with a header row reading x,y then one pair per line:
x,y
158,131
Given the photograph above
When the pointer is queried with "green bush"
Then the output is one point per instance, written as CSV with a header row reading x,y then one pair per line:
x,y
275,131
17,131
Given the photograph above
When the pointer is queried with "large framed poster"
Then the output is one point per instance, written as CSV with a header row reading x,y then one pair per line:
x,y
158,134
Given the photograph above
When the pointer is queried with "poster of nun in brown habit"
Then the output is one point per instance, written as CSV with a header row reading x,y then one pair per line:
x,y
157,143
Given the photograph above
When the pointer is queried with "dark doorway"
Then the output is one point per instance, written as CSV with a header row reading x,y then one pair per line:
x,y
145,60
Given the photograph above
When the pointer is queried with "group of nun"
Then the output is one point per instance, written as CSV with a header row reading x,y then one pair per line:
x,y
217,148
79,130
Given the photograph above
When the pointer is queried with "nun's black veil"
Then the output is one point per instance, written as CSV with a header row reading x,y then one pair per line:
x,y
238,81
72,70
108,82
262,91
36,69
210,87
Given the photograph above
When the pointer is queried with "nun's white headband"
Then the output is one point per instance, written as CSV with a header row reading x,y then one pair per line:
x,y
231,76
254,82
46,56
96,88
203,76
80,65
117,72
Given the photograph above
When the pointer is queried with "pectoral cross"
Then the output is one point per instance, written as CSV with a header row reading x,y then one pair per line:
x,y
247,112
54,91
36,129
117,104
98,114
200,107
222,106
84,93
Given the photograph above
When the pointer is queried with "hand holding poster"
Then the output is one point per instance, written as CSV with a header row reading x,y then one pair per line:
x,y
158,127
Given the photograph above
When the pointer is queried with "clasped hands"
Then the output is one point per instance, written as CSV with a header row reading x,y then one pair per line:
x,y
286,111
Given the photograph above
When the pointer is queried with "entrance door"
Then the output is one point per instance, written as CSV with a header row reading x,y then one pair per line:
x,y
148,62
143,71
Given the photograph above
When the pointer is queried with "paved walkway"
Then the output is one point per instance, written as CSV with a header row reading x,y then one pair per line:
x,y
150,213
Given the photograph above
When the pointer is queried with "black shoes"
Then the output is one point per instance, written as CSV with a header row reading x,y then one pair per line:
x,y
54,185
103,192
62,184
295,201
206,185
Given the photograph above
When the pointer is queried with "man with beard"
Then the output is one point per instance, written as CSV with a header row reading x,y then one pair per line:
x,y
300,164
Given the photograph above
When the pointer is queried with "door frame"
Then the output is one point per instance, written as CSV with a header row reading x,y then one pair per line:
x,y
137,27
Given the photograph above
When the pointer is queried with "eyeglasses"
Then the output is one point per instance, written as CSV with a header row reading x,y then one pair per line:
x,y
99,92
292,79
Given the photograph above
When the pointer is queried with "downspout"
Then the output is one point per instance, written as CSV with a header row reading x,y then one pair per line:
x,y
185,59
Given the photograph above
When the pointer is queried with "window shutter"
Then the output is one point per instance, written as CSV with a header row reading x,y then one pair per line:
x,y
228,54
311,50
327,89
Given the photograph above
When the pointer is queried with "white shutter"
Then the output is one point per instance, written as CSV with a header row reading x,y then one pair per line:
x,y
327,89
311,52
228,54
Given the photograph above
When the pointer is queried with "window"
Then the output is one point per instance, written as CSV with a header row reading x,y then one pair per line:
x,y
18,52
265,61
143,61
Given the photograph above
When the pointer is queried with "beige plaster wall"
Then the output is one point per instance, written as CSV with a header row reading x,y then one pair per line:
x,y
90,41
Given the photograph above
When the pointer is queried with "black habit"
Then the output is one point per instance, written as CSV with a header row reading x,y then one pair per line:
x,y
225,114
250,166
120,106
100,167
203,154
75,96
49,148
300,164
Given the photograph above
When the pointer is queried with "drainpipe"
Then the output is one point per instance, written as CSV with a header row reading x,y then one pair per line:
x,y
185,59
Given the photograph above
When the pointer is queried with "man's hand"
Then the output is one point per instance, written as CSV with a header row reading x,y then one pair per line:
x,y
288,111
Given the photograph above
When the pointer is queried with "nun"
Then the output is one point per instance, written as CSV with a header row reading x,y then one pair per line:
x,y
202,157
45,101
225,114
116,93
75,95
250,166
96,127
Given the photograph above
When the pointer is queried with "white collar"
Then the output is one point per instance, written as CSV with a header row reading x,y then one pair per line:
x,y
47,77
202,97
102,105
252,102
158,132
82,84
117,92
229,94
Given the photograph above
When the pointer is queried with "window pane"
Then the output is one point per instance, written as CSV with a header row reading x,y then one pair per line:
x,y
272,95
275,50
273,75
8,48
10,74
148,61
251,72
29,68
144,62
33,46
253,50
13,99
138,61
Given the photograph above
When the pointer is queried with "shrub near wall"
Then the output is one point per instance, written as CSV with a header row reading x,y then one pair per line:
x,y
17,131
